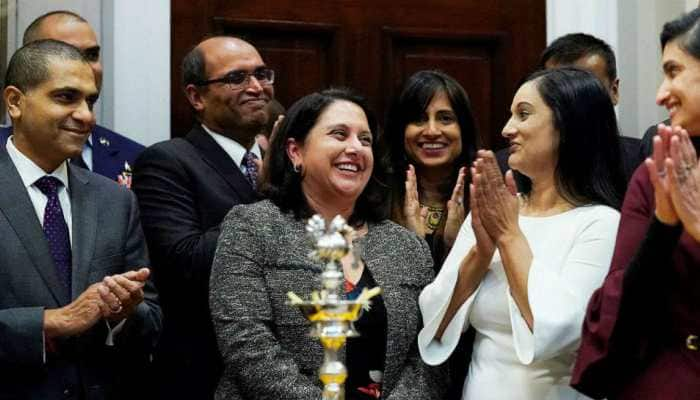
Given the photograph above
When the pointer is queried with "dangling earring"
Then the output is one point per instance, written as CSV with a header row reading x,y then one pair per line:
x,y
296,168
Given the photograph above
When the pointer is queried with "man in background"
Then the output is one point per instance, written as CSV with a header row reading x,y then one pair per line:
x,y
185,188
105,152
592,54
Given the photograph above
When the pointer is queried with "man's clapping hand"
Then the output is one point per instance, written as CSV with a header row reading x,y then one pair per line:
x,y
114,298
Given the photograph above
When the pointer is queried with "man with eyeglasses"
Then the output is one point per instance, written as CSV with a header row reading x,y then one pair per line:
x,y
105,152
185,187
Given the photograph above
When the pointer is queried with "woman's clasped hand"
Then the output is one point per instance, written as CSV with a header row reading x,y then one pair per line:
x,y
675,175
496,200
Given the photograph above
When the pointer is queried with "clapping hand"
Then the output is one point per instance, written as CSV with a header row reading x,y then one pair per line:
x,y
264,143
414,215
484,244
659,178
114,298
455,211
78,316
674,172
498,208
684,173
123,293
497,202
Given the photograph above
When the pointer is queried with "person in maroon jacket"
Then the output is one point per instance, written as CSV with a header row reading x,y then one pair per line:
x,y
640,335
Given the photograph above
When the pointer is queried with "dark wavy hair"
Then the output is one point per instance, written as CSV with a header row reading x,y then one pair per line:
x,y
409,106
686,29
283,186
589,164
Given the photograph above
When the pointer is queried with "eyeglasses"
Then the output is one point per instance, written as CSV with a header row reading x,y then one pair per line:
x,y
239,79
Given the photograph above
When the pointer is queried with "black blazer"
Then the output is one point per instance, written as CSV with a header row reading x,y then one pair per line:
x,y
647,145
632,155
185,187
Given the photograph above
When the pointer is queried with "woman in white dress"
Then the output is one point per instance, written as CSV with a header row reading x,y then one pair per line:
x,y
523,266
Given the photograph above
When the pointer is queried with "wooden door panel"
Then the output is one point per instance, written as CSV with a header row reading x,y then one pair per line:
x,y
302,54
472,59
373,45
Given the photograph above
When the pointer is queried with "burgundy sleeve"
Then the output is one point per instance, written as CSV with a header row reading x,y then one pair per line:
x,y
595,369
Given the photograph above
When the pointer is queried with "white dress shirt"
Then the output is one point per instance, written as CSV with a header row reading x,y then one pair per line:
x,y
29,172
234,149
86,155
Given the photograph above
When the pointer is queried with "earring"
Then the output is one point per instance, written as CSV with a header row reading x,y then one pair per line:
x,y
296,168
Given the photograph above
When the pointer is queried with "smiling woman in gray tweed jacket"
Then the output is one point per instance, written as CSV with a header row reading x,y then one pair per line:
x,y
320,161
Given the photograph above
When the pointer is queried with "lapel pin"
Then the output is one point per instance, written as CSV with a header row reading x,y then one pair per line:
x,y
104,141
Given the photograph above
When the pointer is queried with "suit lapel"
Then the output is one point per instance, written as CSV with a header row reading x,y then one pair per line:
x,y
220,161
84,212
19,211
103,154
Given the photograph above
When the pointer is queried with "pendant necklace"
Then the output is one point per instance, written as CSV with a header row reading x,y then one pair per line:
x,y
434,216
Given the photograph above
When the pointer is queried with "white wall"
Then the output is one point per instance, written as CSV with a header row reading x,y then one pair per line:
x,y
596,17
640,60
137,50
135,40
632,29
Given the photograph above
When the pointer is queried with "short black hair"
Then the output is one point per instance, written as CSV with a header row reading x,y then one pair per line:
x,y
409,106
570,48
685,29
282,185
29,66
589,163
193,67
31,34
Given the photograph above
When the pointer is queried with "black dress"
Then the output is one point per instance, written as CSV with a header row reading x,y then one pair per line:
x,y
365,354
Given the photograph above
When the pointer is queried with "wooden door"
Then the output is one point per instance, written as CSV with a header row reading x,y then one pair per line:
x,y
373,46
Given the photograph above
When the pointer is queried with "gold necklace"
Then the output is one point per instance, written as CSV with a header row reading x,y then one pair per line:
x,y
434,216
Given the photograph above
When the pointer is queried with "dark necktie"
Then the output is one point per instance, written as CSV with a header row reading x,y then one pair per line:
x,y
251,169
56,229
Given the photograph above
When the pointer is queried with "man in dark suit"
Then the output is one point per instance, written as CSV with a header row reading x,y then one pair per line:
x,y
106,151
78,317
185,187
592,54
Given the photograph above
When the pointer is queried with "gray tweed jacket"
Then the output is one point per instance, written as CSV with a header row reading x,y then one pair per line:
x,y
268,354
